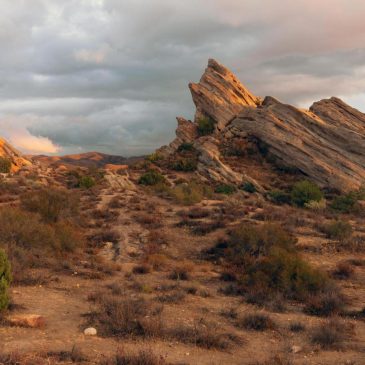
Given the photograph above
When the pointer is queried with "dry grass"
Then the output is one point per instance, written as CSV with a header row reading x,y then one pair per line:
x,y
143,357
256,322
329,335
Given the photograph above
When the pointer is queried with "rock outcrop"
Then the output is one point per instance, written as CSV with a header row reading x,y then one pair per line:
x,y
331,154
16,158
325,143
220,95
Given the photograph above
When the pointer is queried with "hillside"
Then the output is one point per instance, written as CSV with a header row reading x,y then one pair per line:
x,y
242,242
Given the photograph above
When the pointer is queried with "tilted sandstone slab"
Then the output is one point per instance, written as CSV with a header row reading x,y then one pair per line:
x,y
330,153
220,95
9,152
338,113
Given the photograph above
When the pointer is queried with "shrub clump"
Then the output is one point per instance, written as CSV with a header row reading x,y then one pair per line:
x,y
51,204
5,279
337,230
347,203
249,187
279,197
86,182
5,165
206,126
186,147
257,322
304,192
190,193
185,164
265,260
151,177
225,189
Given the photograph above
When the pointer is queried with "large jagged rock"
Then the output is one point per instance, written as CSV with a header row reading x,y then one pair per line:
x,y
327,143
16,158
330,153
220,95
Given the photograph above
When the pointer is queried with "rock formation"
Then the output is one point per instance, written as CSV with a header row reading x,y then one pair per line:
x,y
16,158
220,95
325,143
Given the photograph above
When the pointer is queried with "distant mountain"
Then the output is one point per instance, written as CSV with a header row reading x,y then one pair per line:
x,y
88,159
17,159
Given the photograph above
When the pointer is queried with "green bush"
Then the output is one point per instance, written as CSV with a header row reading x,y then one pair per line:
x,y
305,191
86,182
5,165
154,157
279,197
345,203
5,279
249,187
51,204
206,126
186,146
185,164
151,177
338,230
265,260
190,193
225,189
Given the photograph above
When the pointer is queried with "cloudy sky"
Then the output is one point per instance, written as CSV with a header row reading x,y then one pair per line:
x,y
111,75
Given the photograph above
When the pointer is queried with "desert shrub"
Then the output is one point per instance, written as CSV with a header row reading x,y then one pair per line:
x,y
249,187
186,146
256,322
338,230
190,193
185,164
27,231
68,237
5,279
173,297
86,182
327,303
203,334
279,197
142,269
317,206
151,177
206,126
143,357
5,165
329,335
51,204
297,327
154,157
347,203
304,192
225,189
181,272
130,317
265,260
343,270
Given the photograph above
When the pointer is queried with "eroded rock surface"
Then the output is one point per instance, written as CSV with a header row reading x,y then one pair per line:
x,y
9,152
220,95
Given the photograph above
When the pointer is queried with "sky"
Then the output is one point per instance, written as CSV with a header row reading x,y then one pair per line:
x,y
112,75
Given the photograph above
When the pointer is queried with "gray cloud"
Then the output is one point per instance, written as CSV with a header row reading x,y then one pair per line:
x,y
111,75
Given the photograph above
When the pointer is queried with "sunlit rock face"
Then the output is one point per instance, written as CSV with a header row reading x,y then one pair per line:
x,y
9,152
220,95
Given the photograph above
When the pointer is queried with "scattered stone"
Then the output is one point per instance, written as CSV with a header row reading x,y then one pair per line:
x,y
295,349
91,331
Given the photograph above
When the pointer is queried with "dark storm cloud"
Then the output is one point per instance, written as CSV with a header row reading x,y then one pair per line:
x,y
111,75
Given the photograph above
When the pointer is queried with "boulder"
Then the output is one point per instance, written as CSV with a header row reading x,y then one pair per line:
x,y
91,331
